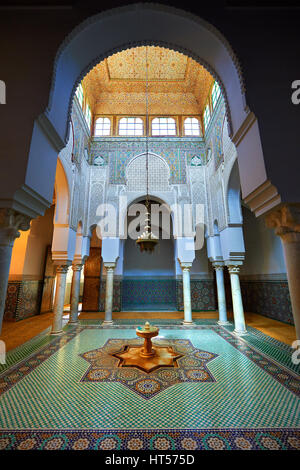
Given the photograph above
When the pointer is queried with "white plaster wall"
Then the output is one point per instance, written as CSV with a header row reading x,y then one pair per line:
x,y
264,254
39,238
201,267
160,263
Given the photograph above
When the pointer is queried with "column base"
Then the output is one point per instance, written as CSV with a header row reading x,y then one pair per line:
x,y
188,323
223,323
57,333
108,322
73,322
240,332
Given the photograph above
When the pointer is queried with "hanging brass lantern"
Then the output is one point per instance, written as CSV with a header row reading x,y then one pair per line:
x,y
147,241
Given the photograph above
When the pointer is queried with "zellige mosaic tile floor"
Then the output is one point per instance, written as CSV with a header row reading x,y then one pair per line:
x,y
252,401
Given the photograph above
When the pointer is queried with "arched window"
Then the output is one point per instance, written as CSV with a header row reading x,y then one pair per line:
x,y
102,126
131,126
163,126
206,116
191,126
88,115
216,92
79,94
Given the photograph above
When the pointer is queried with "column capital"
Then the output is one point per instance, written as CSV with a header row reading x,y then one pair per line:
x,y
185,266
234,268
218,265
62,268
285,220
109,266
77,266
11,222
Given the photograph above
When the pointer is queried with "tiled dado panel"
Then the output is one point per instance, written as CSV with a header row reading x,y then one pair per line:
x,y
23,299
117,302
148,293
11,302
203,294
268,298
164,293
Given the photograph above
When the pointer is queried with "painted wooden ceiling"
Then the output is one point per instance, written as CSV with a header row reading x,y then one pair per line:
x,y
176,83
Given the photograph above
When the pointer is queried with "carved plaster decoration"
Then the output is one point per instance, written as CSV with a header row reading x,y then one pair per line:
x,y
286,222
11,222
234,269
180,174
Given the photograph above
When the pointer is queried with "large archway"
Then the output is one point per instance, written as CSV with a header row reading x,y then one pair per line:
x,y
92,41
102,35
149,282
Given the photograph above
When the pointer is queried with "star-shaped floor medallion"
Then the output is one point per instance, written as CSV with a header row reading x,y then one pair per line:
x,y
177,361
130,356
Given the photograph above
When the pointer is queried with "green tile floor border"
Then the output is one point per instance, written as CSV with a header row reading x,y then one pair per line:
x,y
30,347
275,349
51,396
263,336
152,439
141,321
271,347
26,350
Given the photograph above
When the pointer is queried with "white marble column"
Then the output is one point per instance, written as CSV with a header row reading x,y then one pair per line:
x,y
286,222
10,224
291,248
75,292
187,301
237,303
219,268
59,300
110,267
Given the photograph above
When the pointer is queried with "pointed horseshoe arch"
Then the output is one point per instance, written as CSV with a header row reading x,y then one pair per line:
x,y
146,24
105,34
